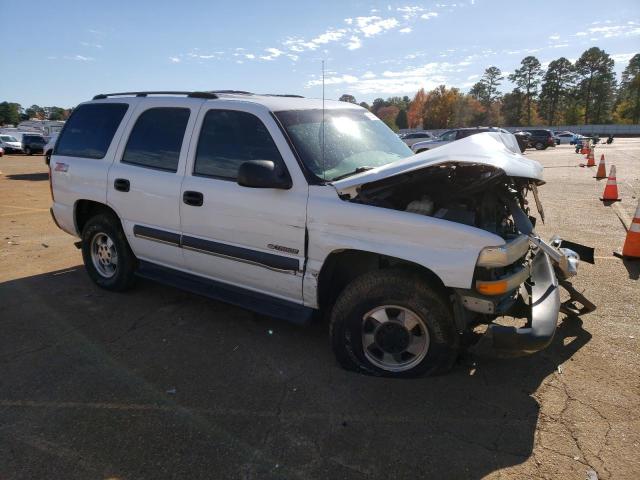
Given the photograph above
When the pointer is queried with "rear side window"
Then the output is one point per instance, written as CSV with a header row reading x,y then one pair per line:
x,y
156,138
227,139
89,131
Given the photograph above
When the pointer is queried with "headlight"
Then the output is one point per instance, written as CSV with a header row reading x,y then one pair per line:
x,y
503,255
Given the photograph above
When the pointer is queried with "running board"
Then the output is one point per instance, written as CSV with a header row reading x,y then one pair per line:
x,y
247,299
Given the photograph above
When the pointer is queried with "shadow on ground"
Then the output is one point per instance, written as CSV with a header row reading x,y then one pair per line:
x,y
32,177
157,383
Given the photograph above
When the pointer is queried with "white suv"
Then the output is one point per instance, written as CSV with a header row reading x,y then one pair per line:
x,y
284,207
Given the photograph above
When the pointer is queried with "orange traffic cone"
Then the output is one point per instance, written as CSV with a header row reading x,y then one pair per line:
x,y
591,159
632,243
611,190
602,169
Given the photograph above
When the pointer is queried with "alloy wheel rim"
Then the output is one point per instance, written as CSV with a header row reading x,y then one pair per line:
x,y
104,255
394,338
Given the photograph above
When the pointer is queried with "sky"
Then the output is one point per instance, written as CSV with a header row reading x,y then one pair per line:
x,y
69,51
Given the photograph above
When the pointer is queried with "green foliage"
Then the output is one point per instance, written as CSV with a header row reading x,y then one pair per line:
x,y
347,98
10,113
527,78
402,120
628,108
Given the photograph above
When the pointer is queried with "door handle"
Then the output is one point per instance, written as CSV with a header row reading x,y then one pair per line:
x,y
121,184
195,199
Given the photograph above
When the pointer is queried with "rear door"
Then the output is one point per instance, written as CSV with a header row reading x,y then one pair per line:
x,y
144,181
250,237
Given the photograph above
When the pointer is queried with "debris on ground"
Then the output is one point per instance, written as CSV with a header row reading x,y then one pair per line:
x,y
44,245
270,332
171,391
560,368
592,475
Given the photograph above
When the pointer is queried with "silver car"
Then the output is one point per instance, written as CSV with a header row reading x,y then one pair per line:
x,y
450,136
414,137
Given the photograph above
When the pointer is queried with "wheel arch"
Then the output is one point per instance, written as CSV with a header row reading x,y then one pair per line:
x,y
84,209
342,266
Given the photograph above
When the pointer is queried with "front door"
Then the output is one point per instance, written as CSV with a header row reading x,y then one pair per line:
x,y
249,237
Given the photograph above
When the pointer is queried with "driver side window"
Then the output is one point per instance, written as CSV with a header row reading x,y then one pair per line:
x,y
229,138
449,136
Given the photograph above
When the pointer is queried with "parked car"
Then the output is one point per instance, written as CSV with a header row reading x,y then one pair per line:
x,y
451,136
524,140
413,137
540,138
10,144
32,143
234,197
564,137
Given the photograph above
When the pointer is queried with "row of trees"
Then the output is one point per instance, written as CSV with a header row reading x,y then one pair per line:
x,y
584,92
14,113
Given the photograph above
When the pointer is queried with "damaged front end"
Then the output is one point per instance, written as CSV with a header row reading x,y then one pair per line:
x,y
521,278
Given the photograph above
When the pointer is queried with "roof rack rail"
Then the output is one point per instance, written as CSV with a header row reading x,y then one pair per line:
x,y
236,92
288,95
208,95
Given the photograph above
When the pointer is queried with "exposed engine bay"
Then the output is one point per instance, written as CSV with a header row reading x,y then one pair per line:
x,y
476,195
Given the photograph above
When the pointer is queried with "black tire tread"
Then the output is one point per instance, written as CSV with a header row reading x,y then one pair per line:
x,y
127,262
396,283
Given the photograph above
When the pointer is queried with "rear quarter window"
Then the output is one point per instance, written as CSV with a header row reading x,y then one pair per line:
x,y
90,130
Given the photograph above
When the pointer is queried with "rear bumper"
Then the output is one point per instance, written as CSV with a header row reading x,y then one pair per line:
x,y
544,309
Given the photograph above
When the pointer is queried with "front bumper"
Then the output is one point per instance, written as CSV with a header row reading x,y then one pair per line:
x,y
543,316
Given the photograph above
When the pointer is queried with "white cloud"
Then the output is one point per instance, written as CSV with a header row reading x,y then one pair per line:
x,y
329,36
428,15
335,80
371,26
369,75
555,36
581,34
93,45
622,57
79,58
174,59
354,43
560,45
272,53
405,30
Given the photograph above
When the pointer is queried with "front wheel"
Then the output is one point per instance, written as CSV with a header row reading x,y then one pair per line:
x,y
392,323
539,146
107,256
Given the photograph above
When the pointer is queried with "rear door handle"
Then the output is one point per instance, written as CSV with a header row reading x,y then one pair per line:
x,y
121,184
195,199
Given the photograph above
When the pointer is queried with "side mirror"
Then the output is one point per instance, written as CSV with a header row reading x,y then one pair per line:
x,y
262,174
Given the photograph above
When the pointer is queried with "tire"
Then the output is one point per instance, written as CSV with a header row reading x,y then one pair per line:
x,y
355,320
103,239
422,150
539,146
27,151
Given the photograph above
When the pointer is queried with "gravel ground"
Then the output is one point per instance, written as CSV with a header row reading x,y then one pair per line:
x,y
158,383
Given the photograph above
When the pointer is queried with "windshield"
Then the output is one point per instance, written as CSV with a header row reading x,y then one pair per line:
x,y
33,138
8,138
354,140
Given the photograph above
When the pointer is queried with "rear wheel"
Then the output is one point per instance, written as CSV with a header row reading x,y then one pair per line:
x,y
392,323
107,256
28,151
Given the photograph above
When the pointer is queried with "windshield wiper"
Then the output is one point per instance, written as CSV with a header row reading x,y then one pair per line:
x,y
353,172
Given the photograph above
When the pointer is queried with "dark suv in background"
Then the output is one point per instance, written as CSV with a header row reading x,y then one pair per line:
x,y
539,138
33,143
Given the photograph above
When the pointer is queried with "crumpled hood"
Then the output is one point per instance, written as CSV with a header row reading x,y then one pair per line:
x,y
492,148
